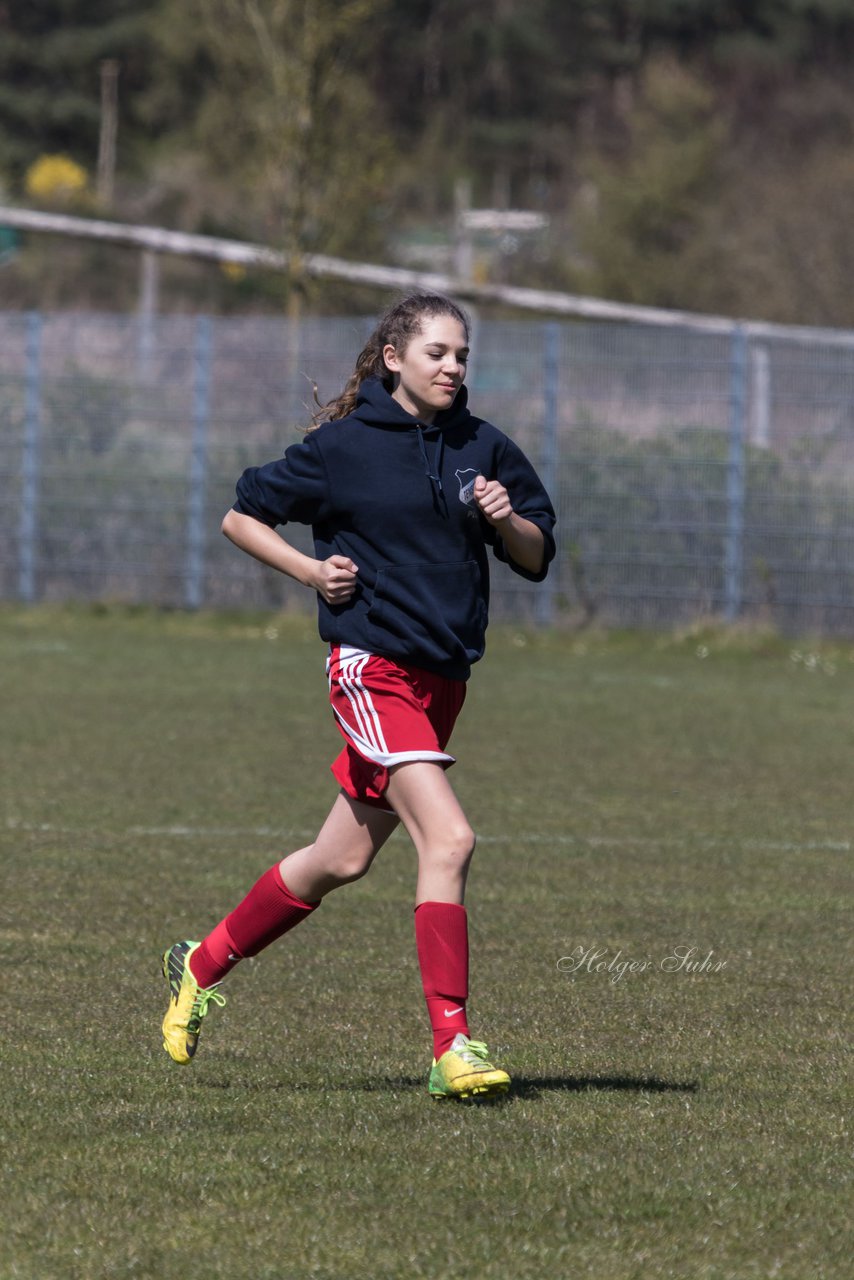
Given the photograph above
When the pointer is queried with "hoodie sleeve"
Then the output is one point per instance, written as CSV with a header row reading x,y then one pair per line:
x,y
529,500
293,489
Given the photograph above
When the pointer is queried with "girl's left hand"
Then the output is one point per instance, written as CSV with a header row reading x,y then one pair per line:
x,y
492,500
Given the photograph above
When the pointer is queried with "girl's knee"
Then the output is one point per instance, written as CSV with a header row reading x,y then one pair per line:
x,y
467,842
457,847
351,866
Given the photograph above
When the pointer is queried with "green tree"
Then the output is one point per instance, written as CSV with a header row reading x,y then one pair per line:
x,y
279,116
50,56
790,252
643,229
492,88
663,137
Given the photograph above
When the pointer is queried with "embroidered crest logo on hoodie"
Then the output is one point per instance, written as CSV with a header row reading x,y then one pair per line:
x,y
466,486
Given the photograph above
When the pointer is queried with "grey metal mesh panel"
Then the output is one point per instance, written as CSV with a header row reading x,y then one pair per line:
x,y
692,476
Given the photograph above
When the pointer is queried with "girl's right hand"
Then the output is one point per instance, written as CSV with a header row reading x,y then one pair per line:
x,y
336,579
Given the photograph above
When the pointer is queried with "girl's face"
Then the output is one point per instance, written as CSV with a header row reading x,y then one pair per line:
x,y
429,372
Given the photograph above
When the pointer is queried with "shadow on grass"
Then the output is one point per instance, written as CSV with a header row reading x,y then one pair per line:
x,y
535,1086
527,1087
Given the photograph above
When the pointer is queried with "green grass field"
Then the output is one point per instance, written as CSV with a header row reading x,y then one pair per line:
x,y
633,795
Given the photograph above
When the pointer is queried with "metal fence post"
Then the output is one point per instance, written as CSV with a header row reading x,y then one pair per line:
x,y
760,398
545,608
195,569
736,477
30,462
149,286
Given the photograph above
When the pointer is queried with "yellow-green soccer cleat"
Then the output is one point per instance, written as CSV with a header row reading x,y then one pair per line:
x,y
188,1003
465,1072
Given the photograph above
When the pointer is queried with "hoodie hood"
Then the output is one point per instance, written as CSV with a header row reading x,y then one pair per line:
x,y
376,407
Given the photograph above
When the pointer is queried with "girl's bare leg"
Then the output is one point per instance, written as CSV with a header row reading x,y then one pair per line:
x,y
427,806
424,800
346,845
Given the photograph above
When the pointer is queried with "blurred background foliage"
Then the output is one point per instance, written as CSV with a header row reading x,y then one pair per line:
x,y
687,153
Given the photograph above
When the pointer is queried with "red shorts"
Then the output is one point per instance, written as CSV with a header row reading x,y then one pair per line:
x,y
389,713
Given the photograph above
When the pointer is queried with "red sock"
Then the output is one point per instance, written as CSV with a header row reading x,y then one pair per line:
x,y
268,911
441,936
215,957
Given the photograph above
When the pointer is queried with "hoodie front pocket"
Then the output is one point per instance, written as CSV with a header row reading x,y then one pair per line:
x,y
436,612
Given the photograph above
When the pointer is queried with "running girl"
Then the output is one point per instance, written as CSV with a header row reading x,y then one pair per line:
x,y
405,490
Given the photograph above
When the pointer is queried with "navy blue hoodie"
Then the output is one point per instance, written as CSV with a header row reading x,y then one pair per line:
x,y
396,496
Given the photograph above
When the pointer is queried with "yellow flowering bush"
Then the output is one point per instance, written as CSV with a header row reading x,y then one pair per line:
x,y
55,178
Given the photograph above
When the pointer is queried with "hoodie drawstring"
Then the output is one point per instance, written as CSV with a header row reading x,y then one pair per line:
x,y
435,473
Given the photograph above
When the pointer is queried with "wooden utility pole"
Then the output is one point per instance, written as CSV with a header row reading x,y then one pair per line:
x,y
109,129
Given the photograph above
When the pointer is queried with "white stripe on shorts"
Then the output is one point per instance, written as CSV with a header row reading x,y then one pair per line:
x,y
370,729
368,737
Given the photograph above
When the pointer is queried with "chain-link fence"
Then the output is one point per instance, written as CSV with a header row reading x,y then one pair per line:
x,y
694,474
